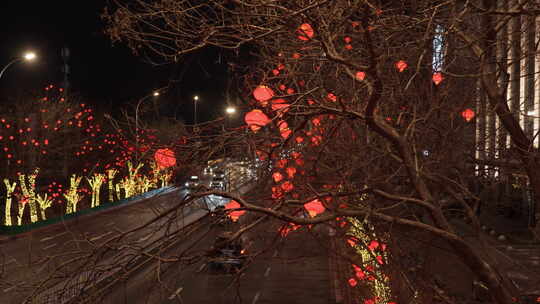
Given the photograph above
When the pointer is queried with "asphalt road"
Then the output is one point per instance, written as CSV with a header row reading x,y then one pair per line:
x,y
32,258
292,270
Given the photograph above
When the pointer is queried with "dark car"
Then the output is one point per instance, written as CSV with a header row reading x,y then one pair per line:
x,y
227,256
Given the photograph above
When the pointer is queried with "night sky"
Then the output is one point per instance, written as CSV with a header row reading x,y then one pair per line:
x,y
102,73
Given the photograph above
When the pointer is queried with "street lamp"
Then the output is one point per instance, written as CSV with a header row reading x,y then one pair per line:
x,y
230,110
154,94
195,99
28,56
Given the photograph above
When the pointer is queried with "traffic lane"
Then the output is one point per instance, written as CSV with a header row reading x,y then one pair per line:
x,y
281,273
156,282
23,255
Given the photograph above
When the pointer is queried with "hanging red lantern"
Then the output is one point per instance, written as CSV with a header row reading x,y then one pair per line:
x,y
401,65
263,93
287,186
291,171
331,97
277,177
352,282
234,215
360,75
256,119
437,78
165,158
284,129
468,114
314,208
305,32
299,139
281,163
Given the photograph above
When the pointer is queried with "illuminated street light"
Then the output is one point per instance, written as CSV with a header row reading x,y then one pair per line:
x,y
195,99
156,93
230,110
28,56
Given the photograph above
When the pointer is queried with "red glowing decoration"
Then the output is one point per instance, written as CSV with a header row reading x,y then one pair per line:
x,y
331,97
263,93
437,78
401,65
256,119
352,282
468,114
291,171
314,208
305,32
287,186
165,158
360,75
277,177
234,215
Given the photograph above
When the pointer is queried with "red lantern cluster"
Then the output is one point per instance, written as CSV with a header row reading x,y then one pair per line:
x,y
165,158
256,119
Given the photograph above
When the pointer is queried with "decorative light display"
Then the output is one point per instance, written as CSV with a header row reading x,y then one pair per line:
x,y
305,32
360,75
9,188
29,195
314,208
256,119
110,179
437,78
165,158
467,114
263,93
234,215
401,65
72,196
95,183
44,203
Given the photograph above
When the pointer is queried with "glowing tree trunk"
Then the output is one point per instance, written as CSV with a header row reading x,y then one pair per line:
x,y
145,184
165,178
10,188
22,204
118,188
95,182
132,181
29,193
110,177
72,195
44,203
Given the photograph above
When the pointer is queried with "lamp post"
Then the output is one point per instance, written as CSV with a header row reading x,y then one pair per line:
x,y
154,94
195,99
28,56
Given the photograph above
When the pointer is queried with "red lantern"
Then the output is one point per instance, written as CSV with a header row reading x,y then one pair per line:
x,y
234,215
263,93
305,32
360,75
352,282
165,158
331,97
277,177
401,65
437,78
291,171
256,119
299,139
468,114
314,208
287,186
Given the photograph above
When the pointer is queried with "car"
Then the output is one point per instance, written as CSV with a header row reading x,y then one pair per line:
x,y
226,256
192,182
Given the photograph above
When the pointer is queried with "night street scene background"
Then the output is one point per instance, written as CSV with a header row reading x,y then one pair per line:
x,y
255,151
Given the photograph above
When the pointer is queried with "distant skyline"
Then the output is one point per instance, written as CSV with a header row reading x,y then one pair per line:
x,y
101,72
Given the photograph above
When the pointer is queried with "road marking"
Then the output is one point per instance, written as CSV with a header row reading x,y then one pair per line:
x,y
201,268
178,291
10,288
47,238
267,272
100,236
275,253
144,238
110,224
256,297
50,246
